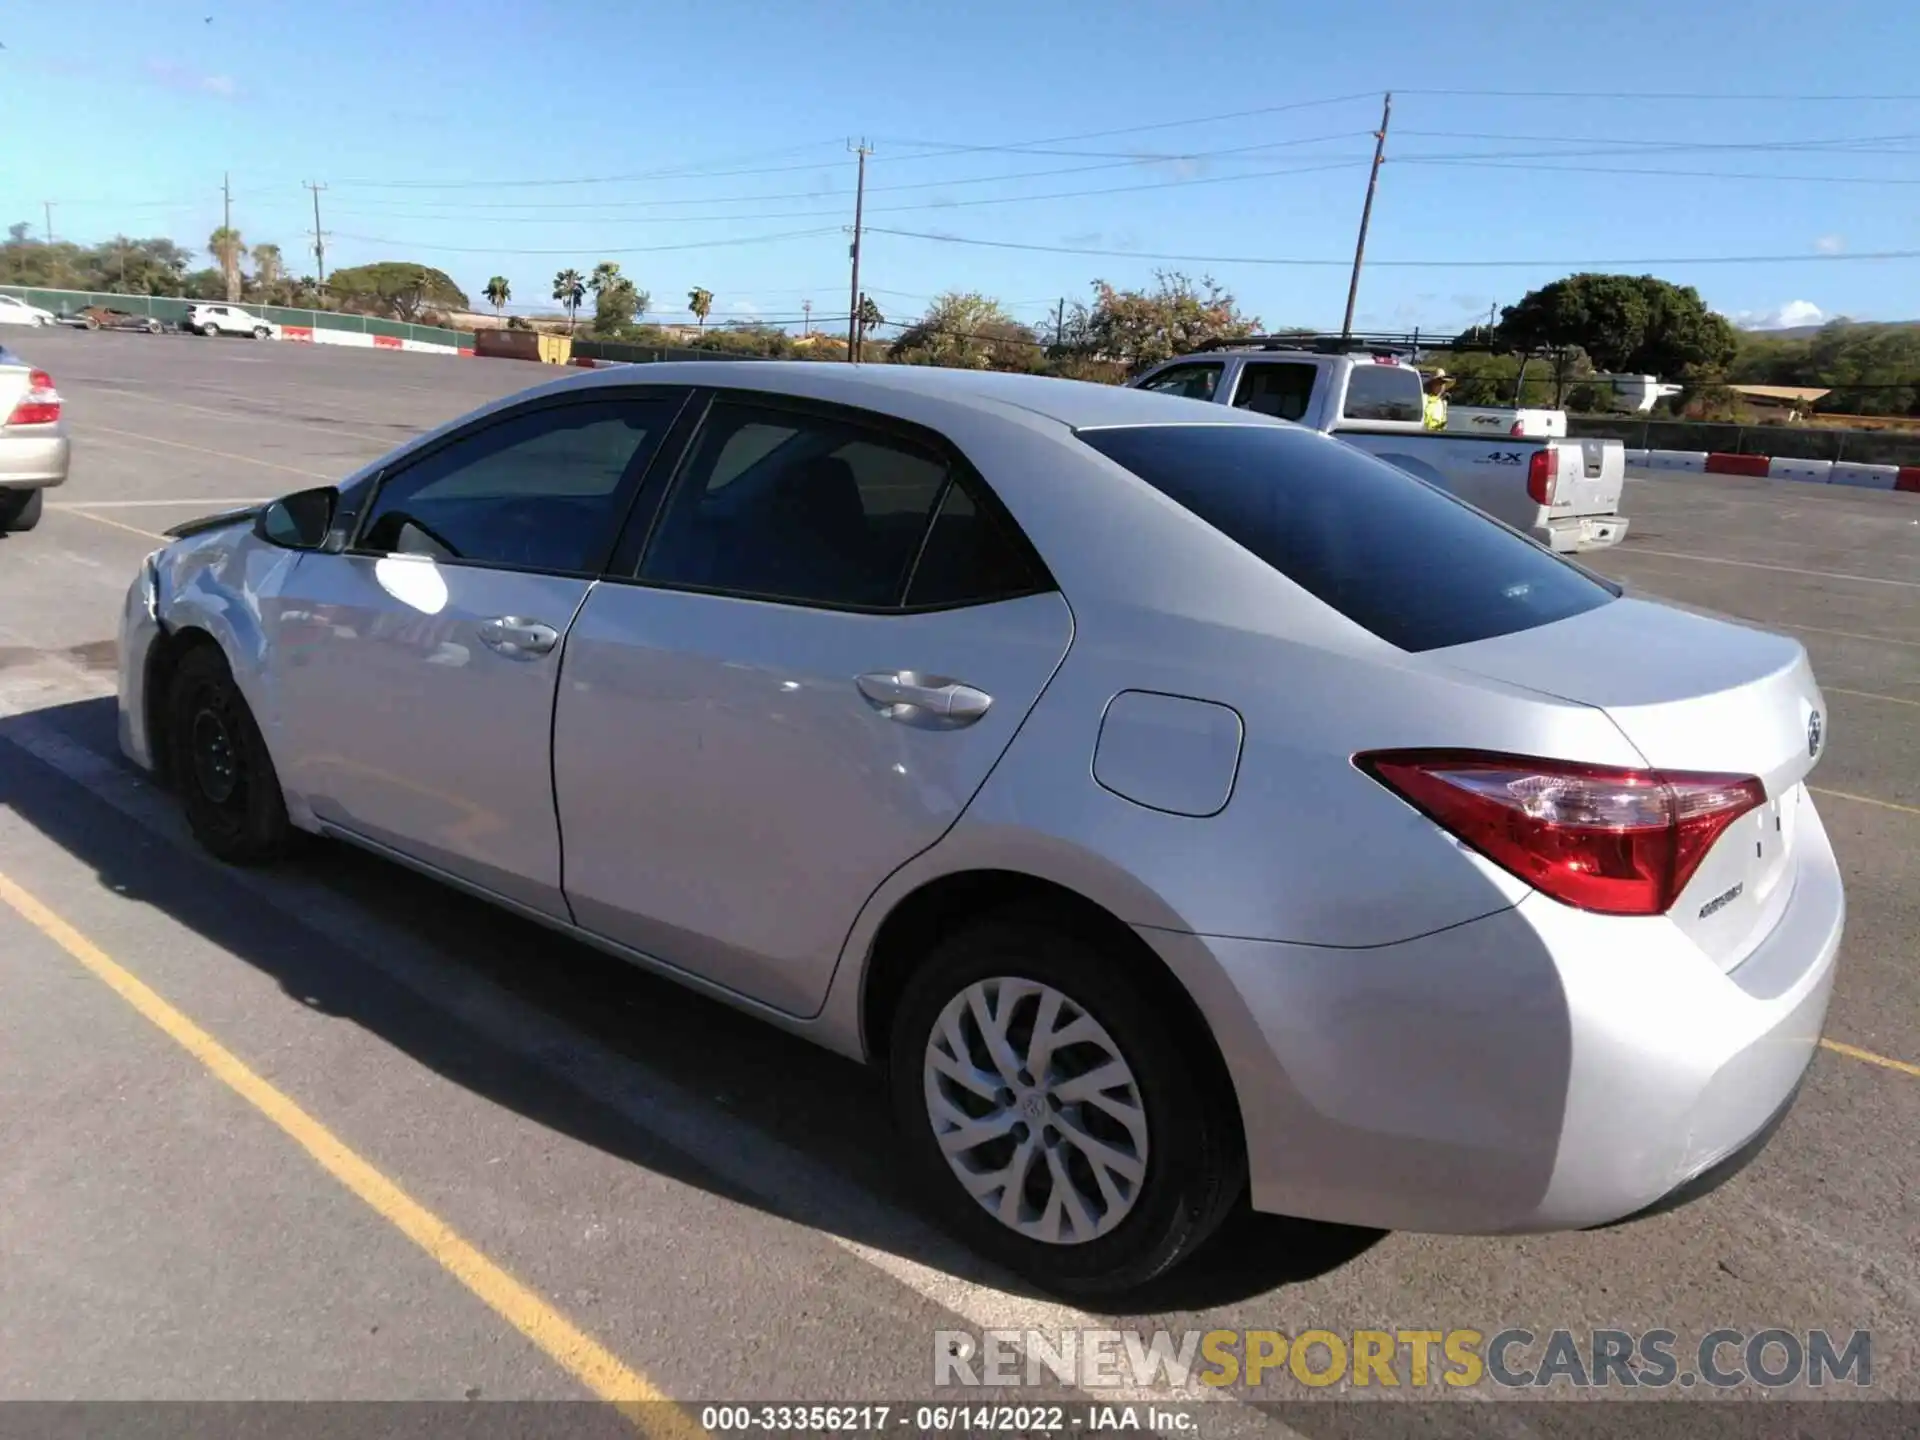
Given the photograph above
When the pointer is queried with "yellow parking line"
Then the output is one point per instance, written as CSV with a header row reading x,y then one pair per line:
x,y
575,1351
1854,1052
1870,695
1866,800
116,524
203,450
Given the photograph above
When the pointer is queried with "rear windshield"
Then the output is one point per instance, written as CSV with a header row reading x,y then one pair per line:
x,y
1392,553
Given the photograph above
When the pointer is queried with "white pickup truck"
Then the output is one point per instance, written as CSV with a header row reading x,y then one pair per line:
x,y
1563,492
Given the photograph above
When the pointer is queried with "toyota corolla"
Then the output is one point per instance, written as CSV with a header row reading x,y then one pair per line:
x,y
1180,809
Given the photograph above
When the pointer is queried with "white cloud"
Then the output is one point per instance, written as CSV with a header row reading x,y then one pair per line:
x,y
175,76
1830,244
1794,312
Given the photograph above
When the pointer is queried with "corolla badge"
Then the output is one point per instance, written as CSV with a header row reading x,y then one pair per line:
x,y
1813,734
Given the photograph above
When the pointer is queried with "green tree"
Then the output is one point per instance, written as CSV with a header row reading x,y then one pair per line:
x,y
700,302
967,331
1136,328
570,289
226,247
498,292
1625,323
397,289
614,305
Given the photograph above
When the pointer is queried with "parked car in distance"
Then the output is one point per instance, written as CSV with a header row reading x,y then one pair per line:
x,y
1174,803
211,319
15,311
34,449
102,317
1565,493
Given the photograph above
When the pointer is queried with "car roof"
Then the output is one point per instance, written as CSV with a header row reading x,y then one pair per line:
x,y
1078,404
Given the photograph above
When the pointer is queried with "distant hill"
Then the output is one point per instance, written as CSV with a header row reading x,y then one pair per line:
x,y
1801,332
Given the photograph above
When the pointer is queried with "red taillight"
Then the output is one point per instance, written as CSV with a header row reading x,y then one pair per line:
x,y
1619,842
1542,473
40,405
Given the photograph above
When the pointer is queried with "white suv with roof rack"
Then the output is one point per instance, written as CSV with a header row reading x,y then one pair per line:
x,y
1563,492
213,319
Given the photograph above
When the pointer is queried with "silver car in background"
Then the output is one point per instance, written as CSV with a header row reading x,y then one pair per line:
x,y
1182,809
34,448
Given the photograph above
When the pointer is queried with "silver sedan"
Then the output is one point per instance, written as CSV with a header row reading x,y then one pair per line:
x,y
1181,809
34,448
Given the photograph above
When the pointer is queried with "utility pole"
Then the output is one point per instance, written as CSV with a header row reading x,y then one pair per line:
x,y
859,208
806,309
226,202
1059,322
1366,214
319,243
49,205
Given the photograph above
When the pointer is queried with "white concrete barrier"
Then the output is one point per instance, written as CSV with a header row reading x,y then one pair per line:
x,y
1687,461
1868,477
360,339
1817,471
1638,458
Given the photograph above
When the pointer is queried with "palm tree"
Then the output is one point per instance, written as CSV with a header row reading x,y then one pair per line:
x,y
700,302
498,292
605,275
570,288
226,246
268,271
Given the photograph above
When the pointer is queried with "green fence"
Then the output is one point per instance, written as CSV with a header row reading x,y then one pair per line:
x,y
648,354
171,310
1790,442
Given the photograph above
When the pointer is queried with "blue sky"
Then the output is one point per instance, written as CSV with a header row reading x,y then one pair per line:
x,y
708,128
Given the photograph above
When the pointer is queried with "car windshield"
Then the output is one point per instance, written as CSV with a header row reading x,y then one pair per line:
x,y
1407,561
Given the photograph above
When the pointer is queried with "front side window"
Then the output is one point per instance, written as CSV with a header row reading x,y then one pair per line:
x,y
1192,382
789,505
1384,392
541,489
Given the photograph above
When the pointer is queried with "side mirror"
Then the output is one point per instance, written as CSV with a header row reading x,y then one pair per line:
x,y
298,522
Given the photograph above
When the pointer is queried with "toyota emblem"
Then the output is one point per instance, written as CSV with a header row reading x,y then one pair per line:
x,y
1813,734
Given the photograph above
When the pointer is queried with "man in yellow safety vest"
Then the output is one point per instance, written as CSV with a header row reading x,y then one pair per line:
x,y
1434,402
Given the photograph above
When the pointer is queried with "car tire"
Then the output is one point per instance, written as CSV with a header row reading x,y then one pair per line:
x,y
21,509
153,327
219,765
92,324
1194,1168
261,332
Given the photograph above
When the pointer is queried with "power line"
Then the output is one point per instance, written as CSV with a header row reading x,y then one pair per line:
x,y
596,249
1395,264
1656,174
1649,95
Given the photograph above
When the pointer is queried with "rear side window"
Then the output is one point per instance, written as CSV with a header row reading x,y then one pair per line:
x,y
973,555
1276,388
1393,554
1384,392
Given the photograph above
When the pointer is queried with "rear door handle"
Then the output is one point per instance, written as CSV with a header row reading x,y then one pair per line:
x,y
518,638
912,697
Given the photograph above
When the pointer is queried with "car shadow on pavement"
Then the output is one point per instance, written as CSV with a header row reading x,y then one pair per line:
x,y
827,1108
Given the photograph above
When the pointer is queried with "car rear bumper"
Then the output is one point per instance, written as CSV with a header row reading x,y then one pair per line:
x,y
33,462
1572,534
1537,1069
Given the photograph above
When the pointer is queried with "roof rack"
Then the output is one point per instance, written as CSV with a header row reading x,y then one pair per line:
x,y
1358,343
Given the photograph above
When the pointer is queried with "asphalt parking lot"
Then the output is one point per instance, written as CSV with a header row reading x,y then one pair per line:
x,y
331,1132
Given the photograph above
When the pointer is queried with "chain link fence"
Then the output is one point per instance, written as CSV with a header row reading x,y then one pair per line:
x,y
1789,442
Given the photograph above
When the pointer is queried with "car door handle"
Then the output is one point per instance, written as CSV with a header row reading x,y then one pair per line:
x,y
913,697
516,638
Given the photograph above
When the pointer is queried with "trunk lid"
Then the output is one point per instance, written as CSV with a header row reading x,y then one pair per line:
x,y
1588,478
1698,694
